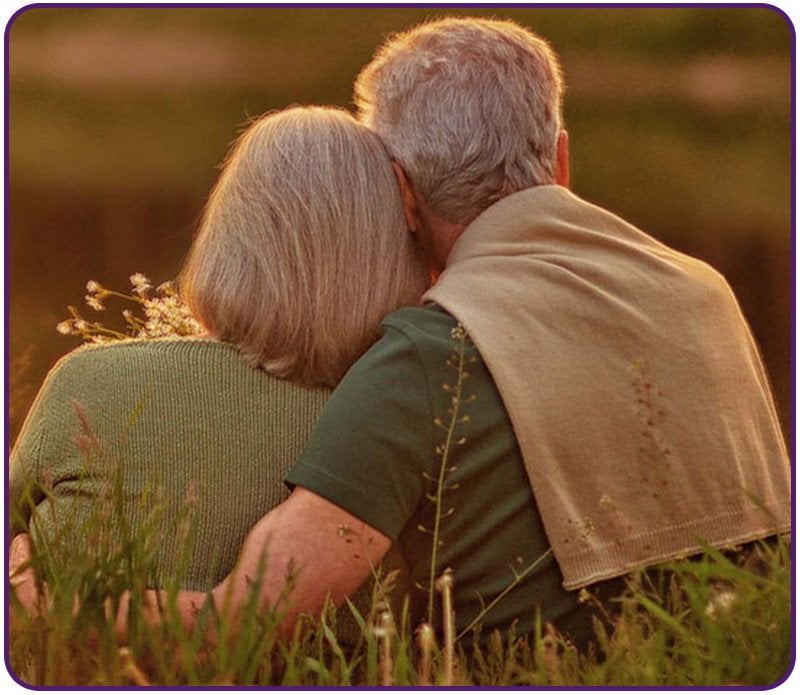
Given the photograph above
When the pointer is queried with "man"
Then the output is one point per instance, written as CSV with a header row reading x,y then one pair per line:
x,y
616,413
574,401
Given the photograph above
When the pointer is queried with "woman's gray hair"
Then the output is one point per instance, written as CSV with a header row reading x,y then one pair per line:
x,y
471,108
303,248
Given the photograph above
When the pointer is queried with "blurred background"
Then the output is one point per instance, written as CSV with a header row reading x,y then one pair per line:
x,y
680,121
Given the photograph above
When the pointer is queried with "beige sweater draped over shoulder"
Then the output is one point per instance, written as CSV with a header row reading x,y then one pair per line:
x,y
634,386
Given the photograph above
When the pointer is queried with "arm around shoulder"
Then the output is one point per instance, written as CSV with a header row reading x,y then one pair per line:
x,y
305,550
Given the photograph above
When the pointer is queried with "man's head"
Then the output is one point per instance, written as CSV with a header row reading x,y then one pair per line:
x,y
470,109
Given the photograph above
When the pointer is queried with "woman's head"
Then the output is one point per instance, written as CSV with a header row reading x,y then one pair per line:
x,y
303,247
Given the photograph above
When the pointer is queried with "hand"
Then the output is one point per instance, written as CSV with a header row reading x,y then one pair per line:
x,y
21,576
151,604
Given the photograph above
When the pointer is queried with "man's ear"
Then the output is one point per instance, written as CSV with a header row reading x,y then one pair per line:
x,y
408,197
562,159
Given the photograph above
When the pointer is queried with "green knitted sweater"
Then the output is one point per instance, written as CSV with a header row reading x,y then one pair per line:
x,y
155,433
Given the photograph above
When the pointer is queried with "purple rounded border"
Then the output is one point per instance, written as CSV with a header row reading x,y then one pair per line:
x,y
477,5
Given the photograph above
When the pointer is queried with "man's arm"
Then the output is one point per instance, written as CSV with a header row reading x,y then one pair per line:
x,y
323,549
319,547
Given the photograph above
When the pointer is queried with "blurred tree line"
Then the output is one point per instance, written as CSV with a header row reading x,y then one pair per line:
x,y
680,121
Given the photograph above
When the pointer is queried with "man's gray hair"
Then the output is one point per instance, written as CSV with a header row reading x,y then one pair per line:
x,y
303,247
470,108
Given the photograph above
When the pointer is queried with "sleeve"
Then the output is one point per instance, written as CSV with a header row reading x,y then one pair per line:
x,y
24,484
373,445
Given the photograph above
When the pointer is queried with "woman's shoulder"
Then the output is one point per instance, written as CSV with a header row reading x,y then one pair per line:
x,y
107,360
172,363
131,348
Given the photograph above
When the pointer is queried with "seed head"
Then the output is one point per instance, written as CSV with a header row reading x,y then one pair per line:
x,y
140,283
94,302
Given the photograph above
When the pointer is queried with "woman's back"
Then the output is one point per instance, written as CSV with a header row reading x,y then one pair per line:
x,y
163,431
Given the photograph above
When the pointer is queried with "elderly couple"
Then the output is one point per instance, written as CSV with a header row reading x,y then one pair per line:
x,y
569,401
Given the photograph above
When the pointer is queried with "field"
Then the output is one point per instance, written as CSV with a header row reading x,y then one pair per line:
x,y
679,118
713,621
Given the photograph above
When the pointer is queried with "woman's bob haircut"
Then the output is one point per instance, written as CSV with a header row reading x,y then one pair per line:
x,y
303,248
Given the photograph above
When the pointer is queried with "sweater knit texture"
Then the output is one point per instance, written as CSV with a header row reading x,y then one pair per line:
x,y
630,376
166,435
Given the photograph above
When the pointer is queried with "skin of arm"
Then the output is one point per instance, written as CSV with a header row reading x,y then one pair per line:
x,y
324,549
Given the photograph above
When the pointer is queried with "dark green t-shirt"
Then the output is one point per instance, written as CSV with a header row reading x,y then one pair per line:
x,y
376,452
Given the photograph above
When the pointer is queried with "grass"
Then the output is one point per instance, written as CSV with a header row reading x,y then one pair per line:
x,y
721,619
701,622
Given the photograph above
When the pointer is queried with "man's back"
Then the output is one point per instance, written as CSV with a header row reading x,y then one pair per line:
x,y
635,388
377,451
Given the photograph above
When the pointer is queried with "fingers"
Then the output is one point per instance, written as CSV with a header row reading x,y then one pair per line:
x,y
20,554
21,576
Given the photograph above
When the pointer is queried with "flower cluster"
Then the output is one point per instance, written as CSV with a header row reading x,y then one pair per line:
x,y
157,313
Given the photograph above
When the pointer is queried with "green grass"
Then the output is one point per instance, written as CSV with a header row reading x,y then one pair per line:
x,y
722,618
112,174
708,621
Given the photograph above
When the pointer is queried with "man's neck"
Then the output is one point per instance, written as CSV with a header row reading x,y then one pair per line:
x,y
437,238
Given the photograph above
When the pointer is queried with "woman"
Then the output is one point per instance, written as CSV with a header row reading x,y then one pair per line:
x,y
301,251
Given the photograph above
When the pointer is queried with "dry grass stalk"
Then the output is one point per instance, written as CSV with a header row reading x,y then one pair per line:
x,y
385,633
426,642
131,669
445,586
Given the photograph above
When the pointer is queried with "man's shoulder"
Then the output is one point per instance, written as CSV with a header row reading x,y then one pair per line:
x,y
414,340
422,325
417,345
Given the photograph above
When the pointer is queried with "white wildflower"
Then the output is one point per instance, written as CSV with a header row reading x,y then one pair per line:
x,y
94,302
721,601
140,283
163,316
168,316
192,326
458,333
